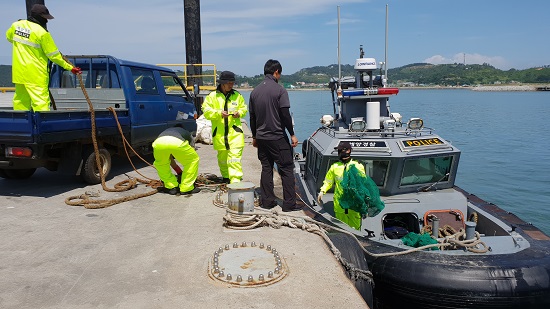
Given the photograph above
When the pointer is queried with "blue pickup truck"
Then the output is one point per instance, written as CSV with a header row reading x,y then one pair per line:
x,y
146,98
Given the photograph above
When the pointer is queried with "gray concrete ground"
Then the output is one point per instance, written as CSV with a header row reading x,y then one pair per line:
x,y
147,253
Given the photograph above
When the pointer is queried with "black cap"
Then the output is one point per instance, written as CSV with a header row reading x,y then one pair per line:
x,y
226,77
41,10
343,145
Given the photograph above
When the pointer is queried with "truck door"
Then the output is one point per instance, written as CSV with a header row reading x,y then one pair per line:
x,y
149,110
179,103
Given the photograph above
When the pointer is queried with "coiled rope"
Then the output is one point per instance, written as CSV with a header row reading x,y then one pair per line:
x,y
277,219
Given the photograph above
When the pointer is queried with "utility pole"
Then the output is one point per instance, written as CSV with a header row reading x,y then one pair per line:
x,y
193,47
30,3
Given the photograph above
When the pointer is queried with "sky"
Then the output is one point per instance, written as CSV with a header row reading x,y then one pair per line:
x,y
241,36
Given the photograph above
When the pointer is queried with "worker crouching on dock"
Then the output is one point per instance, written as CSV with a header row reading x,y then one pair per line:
x,y
172,144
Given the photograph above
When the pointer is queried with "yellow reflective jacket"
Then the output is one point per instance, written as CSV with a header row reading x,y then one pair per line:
x,y
335,175
32,47
227,133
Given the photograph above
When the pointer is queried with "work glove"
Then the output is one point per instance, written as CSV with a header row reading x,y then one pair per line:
x,y
178,177
320,197
76,70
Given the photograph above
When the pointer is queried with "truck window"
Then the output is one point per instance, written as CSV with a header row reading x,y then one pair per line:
x,y
174,85
104,80
97,78
144,81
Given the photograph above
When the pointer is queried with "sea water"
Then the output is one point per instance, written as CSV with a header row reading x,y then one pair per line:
x,y
503,137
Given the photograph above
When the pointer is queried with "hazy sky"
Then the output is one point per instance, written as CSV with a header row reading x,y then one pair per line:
x,y
241,35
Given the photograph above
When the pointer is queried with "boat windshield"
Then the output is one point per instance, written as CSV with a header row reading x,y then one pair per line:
x,y
426,170
376,169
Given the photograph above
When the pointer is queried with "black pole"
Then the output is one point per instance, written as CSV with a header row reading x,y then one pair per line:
x,y
193,47
30,3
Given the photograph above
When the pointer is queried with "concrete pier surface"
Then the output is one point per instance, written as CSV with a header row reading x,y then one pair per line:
x,y
151,252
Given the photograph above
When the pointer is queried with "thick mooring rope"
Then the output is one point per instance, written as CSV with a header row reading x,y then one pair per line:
x,y
277,219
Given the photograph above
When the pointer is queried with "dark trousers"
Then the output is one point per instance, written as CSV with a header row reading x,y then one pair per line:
x,y
279,152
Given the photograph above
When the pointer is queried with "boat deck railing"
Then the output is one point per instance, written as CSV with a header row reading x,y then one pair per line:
x,y
399,132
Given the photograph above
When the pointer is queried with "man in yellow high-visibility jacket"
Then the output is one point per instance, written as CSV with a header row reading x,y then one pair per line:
x,y
334,176
32,47
224,108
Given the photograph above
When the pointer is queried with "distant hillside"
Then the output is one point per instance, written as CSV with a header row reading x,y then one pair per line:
x,y
413,74
430,74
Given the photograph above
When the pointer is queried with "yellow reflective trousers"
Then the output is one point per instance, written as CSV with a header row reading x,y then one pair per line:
x,y
166,146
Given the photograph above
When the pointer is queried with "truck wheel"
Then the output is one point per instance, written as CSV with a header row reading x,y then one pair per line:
x,y
90,173
23,173
353,254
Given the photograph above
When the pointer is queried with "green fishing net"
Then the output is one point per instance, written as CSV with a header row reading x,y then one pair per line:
x,y
360,193
419,240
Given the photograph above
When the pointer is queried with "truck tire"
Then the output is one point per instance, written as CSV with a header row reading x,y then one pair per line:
x,y
89,172
23,173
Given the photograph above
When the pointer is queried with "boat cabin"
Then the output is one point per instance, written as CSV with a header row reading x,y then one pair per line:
x,y
402,158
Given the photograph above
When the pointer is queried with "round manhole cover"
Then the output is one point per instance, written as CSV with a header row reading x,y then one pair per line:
x,y
247,264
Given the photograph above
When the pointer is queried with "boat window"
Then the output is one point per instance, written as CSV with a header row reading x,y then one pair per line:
x,y
426,170
317,162
376,169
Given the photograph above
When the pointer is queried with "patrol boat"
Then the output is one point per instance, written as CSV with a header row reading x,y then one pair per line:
x,y
486,257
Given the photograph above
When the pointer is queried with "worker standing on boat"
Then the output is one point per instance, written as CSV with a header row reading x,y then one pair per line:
x,y
355,194
269,117
32,47
173,143
224,108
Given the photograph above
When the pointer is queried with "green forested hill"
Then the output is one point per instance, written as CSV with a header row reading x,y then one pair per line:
x,y
470,74
430,74
416,73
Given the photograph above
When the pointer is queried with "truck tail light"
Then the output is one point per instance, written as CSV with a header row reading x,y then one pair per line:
x,y
23,152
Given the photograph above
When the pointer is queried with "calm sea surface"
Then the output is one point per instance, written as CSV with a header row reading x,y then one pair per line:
x,y
503,137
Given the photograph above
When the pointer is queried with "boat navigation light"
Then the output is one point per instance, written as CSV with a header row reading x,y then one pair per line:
x,y
415,124
357,124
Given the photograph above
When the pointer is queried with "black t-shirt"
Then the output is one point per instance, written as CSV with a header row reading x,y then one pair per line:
x,y
269,110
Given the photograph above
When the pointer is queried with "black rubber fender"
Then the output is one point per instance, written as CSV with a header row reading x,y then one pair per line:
x,y
354,254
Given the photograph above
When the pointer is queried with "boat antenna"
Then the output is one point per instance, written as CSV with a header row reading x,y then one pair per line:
x,y
386,49
339,64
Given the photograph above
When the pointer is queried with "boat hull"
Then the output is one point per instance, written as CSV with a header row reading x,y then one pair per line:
x,y
428,279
